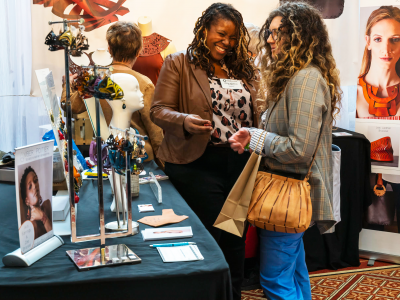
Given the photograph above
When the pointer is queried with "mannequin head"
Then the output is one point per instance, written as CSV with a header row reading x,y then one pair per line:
x,y
133,99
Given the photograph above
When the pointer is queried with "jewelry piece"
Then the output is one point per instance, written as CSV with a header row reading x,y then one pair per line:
x,y
123,104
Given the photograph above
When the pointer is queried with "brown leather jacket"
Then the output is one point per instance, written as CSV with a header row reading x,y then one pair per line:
x,y
181,90
140,119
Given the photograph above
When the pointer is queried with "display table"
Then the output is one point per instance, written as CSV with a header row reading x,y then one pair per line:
x,y
340,249
56,277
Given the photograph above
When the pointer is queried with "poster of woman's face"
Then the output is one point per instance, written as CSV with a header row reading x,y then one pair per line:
x,y
378,85
34,182
378,106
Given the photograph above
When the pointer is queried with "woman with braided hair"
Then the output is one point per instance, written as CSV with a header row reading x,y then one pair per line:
x,y
196,103
302,88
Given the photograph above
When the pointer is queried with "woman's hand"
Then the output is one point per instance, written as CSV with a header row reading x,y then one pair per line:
x,y
36,213
194,124
239,140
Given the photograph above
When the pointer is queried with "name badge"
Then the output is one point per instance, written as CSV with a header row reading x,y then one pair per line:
x,y
231,84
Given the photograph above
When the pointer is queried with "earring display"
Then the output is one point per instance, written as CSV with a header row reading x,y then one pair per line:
x,y
99,86
91,84
119,147
77,43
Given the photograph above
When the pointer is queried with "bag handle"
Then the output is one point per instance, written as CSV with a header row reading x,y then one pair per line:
x,y
265,136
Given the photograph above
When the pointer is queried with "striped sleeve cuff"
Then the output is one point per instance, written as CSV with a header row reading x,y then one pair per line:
x,y
258,136
256,142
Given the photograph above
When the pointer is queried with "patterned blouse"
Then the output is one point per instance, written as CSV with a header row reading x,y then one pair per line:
x,y
232,110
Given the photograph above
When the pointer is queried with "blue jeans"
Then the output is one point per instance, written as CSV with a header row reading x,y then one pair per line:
x,y
283,269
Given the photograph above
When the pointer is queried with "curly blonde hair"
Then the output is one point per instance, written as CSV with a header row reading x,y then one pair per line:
x,y
303,40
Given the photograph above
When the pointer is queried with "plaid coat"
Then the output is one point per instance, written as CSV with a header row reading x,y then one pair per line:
x,y
293,124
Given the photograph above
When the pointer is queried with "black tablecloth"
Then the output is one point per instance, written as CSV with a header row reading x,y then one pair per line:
x,y
56,277
340,249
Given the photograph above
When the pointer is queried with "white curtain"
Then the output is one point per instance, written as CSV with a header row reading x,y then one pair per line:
x,y
347,116
20,114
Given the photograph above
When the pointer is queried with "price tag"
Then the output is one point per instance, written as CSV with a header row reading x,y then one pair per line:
x,y
231,84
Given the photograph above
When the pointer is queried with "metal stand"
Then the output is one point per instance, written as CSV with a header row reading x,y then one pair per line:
x,y
105,258
117,226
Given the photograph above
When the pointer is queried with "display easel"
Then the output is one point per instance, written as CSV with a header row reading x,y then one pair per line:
x,y
103,255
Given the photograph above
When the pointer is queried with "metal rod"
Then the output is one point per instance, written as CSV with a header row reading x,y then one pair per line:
x,y
128,184
115,196
65,21
97,67
122,200
70,157
128,132
99,170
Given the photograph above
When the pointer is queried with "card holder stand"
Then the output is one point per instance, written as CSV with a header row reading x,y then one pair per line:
x,y
155,187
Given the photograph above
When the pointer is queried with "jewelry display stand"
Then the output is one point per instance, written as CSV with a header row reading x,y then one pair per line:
x,y
98,256
116,225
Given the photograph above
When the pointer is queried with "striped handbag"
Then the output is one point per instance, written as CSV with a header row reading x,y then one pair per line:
x,y
281,203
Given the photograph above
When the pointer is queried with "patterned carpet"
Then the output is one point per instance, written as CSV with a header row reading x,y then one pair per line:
x,y
382,283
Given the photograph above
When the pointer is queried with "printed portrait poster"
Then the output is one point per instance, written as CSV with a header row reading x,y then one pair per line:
x,y
378,95
34,189
378,108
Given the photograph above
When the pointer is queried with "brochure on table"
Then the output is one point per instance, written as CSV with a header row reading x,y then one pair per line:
x,y
34,189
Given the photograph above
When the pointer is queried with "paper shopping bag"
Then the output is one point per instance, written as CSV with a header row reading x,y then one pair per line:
x,y
233,214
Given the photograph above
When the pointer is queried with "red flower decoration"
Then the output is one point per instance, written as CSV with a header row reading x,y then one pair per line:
x,y
96,13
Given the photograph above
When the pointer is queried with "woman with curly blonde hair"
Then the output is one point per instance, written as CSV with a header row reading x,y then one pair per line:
x,y
301,84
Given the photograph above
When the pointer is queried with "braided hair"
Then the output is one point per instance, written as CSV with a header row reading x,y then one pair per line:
x,y
239,61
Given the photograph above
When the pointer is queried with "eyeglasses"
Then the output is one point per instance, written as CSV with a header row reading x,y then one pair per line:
x,y
273,32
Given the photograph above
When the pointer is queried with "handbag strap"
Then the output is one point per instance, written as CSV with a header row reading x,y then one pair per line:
x,y
315,154
316,149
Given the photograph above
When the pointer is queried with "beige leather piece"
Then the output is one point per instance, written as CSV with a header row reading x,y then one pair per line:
x,y
168,217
